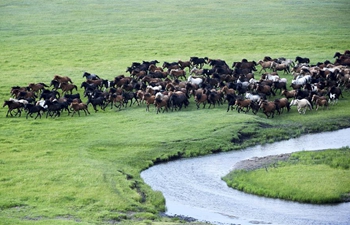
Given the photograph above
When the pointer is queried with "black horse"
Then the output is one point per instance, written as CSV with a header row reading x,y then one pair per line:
x,y
90,76
302,60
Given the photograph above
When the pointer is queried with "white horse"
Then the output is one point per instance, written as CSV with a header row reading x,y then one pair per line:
x,y
302,105
302,80
197,81
271,77
252,97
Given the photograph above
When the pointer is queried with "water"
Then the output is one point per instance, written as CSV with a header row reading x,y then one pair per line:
x,y
193,187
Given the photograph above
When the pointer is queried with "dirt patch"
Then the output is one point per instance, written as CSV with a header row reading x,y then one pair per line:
x,y
260,162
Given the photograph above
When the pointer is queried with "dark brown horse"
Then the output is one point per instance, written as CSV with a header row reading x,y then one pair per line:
x,y
12,105
37,87
177,73
68,87
201,98
268,108
79,106
62,79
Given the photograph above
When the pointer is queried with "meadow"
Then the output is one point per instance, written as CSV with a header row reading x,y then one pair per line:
x,y
86,170
309,177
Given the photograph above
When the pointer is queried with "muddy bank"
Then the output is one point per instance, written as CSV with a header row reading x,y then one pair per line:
x,y
260,162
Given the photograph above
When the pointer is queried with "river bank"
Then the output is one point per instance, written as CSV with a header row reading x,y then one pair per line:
x,y
260,162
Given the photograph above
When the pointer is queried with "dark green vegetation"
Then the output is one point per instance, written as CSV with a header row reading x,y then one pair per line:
x,y
312,177
86,169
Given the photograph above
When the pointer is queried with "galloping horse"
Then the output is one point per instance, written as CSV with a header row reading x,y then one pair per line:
x,y
302,105
197,81
62,79
13,105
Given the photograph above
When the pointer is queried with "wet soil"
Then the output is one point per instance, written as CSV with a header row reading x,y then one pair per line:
x,y
260,162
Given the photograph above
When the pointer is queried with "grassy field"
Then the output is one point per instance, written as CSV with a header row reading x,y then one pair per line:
x,y
85,170
310,177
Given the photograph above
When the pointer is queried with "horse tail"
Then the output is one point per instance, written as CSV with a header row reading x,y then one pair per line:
x,y
75,87
309,104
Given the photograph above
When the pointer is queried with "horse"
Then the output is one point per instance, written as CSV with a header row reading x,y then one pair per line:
x,y
265,65
67,87
197,81
97,82
34,109
269,108
149,99
281,104
12,105
214,97
302,80
99,101
153,68
265,89
184,64
198,61
90,76
161,102
321,102
302,60
253,97
271,77
115,98
37,87
62,79
279,85
201,98
177,73
79,106
302,105
243,103
177,100
281,67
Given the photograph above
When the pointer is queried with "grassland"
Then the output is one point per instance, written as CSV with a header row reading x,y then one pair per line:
x,y
310,177
86,169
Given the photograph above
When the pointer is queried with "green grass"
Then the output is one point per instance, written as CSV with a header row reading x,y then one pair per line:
x,y
86,169
311,177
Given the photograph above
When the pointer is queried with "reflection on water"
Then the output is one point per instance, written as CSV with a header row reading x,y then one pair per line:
x,y
193,187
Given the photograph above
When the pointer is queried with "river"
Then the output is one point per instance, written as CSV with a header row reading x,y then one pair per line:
x,y
193,187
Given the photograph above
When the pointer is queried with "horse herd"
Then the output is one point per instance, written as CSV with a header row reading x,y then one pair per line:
x,y
167,87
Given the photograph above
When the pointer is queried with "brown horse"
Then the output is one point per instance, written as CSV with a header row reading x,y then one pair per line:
x,y
12,105
67,87
265,89
265,65
62,79
153,68
177,73
37,87
149,99
79,106
201,98
243,103
161,102
184,64
321,102
268,108
281,104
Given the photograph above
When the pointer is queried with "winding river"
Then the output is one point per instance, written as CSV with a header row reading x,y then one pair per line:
x,y
193,187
